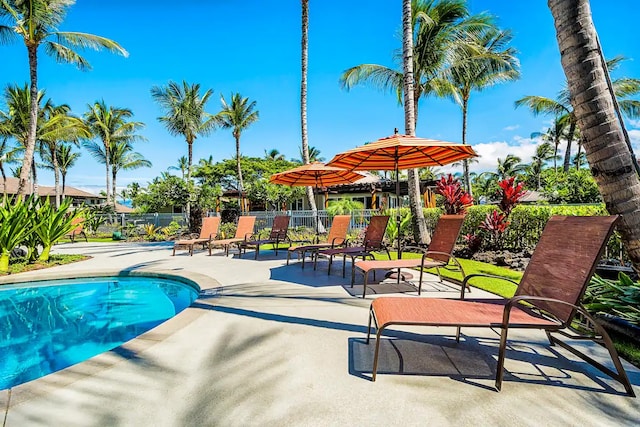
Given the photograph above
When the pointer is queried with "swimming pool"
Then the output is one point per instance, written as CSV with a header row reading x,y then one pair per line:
x,y
50,325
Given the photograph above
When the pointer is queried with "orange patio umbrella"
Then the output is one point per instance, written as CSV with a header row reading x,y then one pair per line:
x,y
397,152
315,174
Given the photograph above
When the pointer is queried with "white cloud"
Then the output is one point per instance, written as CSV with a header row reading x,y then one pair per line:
x,y
634,123
512,127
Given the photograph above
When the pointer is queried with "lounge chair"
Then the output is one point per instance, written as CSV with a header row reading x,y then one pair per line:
x,y
337,238
244,231
547,298
439,253
78,230
373,241
278,234
208,232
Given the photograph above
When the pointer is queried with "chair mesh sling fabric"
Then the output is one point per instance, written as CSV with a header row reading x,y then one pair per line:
x,y
208,232
277,235
244,231
548,297
337,238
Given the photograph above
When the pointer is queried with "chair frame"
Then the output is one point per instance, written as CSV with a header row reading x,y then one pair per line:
x,y
552,315
364,251
204,239
240,237
337,238
78,230
277,235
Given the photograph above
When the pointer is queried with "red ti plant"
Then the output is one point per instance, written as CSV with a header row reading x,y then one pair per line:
x,y
456,200
496,223
512,192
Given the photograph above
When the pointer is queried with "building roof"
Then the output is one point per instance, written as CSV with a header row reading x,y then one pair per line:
x,y
45,190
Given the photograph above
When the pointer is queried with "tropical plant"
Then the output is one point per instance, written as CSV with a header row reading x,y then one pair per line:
x,y
393,229
273,154
66,160
484,62
343,206
544,153
456,200
183,166
184,113
7,156
50,224
620,297
15,226
111,126
36,21
237,115
496,222
554,135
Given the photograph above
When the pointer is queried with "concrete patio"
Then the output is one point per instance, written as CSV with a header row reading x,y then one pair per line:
x,y
274,345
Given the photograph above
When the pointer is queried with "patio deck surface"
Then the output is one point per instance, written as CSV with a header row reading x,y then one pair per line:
x,y
274,345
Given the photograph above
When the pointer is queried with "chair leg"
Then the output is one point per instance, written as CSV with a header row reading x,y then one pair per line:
x,y
289,257
191,249
501,356
330,262
420,281
304,253
258,250
174,250
458,329
365,283
375,355
344,265
369,328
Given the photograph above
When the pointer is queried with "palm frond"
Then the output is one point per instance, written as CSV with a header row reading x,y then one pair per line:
x,y
7,34
66,55
630,108
90,41
541,105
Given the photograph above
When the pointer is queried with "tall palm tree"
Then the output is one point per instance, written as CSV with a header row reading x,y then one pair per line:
x,y
561,107
510,166
304,61
16,122
60,126
184,113
66,160
544,153
436,28
593,100
237,115
314,155
36,22
554,135
484,62
183,166
111,126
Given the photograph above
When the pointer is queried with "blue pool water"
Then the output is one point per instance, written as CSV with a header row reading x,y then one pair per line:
x,y
58,323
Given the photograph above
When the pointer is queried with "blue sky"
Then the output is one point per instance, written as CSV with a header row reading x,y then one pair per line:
x,y
253,47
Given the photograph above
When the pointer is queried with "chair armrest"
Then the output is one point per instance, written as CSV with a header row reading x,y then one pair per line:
x,y
334,244
491,276
526,298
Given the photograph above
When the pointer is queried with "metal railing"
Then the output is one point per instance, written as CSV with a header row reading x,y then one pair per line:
x,y
306,219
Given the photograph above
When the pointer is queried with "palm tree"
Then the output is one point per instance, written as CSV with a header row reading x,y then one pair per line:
x,y
509,166
15,122
304,61
562,109
123,158
60,126
432,29
237,116
183,166
66,160
554,135
314,155
273,154
111,126
485,62
594,107
7,156
36,21
184,113
544,153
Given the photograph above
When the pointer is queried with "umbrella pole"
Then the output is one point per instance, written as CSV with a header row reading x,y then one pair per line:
x,y
398,217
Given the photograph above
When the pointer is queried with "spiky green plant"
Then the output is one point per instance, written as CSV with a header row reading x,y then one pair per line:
x,y
51,224
15,226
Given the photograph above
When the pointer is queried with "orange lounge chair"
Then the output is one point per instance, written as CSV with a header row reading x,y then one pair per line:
x,y
438,255
548,297
337,238
78,230
244,231
208,232
277,235
373,241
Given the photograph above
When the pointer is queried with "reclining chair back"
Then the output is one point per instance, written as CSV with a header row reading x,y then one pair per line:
x,y
564,261
374,235
339,228
444,236
210,227
245,227
280,227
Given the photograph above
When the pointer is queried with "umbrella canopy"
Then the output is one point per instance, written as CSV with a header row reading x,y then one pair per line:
x,y
315,174
402,152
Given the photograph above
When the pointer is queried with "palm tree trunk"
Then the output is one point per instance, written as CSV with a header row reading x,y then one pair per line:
x,y
56,176
578,155
23,189
114,172
107,157
413,179
465,162
240,181
4,180
604,144
64,182
567,155
303,104
34,174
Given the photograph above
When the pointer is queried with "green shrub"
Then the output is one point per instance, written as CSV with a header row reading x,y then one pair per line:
x,y
617,297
